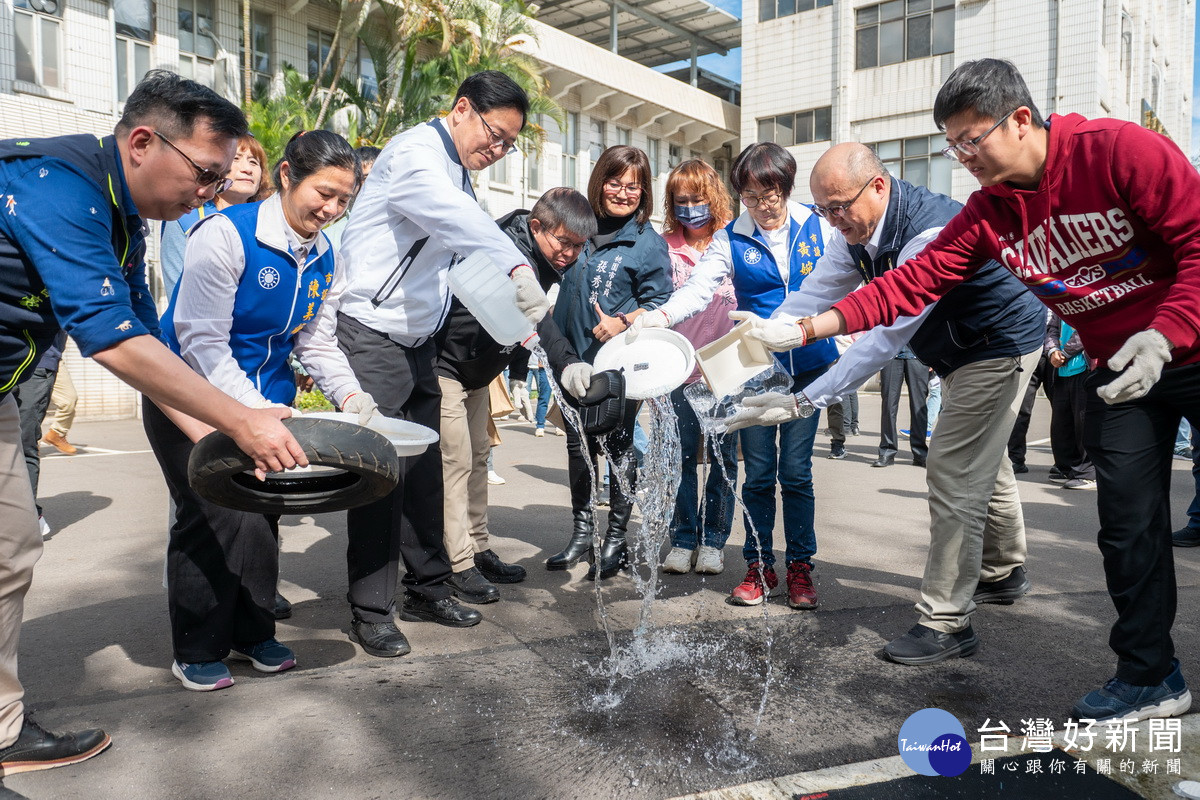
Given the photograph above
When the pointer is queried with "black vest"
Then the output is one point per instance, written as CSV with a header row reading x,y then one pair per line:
x,y
27,323
990,315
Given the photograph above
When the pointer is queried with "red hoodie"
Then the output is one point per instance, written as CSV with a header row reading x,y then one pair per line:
x,y
1109,240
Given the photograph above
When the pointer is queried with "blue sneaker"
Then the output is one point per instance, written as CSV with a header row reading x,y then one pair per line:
x,y
207,676
268,656
1119,700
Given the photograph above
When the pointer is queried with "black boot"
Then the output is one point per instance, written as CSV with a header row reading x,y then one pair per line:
x,y
580,544
614,552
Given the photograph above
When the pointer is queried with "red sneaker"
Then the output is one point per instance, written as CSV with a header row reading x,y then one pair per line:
x,y
801,593
750,591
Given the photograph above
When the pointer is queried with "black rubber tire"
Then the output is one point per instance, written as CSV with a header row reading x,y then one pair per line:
x,y
367,464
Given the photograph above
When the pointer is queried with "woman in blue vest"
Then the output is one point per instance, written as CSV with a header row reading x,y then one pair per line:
x,y
769,250
623,270
248,183
251,294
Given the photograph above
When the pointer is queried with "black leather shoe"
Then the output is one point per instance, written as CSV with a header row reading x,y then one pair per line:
x,y
923,645
919,461
471,586
1004,591
382,639
882,462
496,570
37,748
446,611
1020,469
283,609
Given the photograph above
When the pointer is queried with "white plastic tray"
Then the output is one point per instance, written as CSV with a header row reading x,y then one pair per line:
x,y
726,364
656,363
409,438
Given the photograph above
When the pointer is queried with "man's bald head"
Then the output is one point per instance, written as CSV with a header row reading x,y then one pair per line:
x,y
850,186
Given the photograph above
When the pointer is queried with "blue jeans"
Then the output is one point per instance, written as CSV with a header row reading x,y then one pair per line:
x,y
1194,508
781,455
718,492
543,384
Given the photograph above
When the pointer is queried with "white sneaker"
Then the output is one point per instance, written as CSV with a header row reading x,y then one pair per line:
x,y
678,561
559,431
494,479
710,561
43,526
540,432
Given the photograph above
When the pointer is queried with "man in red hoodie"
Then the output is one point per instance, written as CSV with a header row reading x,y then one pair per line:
x,y
1098,218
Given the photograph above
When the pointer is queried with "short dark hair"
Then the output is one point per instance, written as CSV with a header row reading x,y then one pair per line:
x,y
173,105
611,165
564,207
767,164
310,151
367,154
492,89
988,87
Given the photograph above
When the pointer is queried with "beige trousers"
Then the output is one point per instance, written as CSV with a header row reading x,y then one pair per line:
x,y
465,444
64,398
976,531
20,549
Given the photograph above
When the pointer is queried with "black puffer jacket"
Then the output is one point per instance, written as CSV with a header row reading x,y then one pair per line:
x,y
469,355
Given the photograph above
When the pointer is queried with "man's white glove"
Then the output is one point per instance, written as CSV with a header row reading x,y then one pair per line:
x,y
779,333
577,378
265,403
655,318
520,397
770,408
360,403
531,300
1142,358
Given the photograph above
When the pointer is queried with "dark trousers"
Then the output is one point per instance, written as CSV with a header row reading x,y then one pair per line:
x,y
408,523
1132,445
581,470
222,565
842,417
916,375
1194,508
1068,406
1043,376
33,401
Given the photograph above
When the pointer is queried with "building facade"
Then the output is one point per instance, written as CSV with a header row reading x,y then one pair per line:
x,y
819,72
66,66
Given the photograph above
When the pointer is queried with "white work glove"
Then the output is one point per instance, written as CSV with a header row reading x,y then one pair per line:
x,y
265,403
1142,358
770,408
519,390
360,403
577,378
531,300
656,318
779,334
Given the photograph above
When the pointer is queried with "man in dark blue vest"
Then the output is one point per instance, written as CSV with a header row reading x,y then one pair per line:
x,y
72,247
982,339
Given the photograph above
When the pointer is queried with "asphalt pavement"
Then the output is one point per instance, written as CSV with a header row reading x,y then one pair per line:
x,y
532,703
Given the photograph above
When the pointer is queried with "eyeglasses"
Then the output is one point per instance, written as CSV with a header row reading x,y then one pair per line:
x,y
631,189
566,244
204,177
956,152
753,200
496,140
838,209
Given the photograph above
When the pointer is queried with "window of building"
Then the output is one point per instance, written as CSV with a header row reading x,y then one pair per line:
x,y
570,149
624,136
902,30
368,82
498,172
654,151
596,131
771,9
197,40
319,45
801,127
134,23
918,160
38,42
674,155
1127,54
260,62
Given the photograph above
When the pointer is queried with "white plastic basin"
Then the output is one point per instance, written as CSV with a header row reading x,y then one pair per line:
x,y
409,438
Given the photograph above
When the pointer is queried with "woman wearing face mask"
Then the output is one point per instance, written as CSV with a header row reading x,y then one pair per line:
x,y
248,183
623,270
768,252
251,294
696,206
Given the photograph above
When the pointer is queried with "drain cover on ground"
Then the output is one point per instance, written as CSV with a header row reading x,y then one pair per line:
x,y
1012,779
